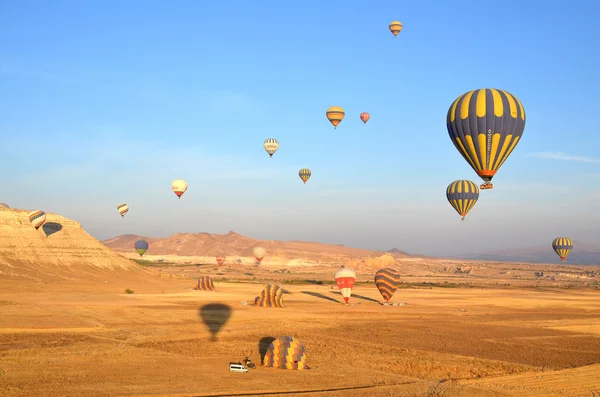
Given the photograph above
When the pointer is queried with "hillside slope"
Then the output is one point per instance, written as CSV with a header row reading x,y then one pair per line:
x,y
59,250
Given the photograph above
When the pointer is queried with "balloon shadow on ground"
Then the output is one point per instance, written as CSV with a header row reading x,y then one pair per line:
x,y
318,295
50,228
366,298
263,346
215,316
285,291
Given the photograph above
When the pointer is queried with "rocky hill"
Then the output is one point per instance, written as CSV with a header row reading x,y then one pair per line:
x,y
59,250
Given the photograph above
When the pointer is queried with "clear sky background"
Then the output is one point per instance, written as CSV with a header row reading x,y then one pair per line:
x,y
106,102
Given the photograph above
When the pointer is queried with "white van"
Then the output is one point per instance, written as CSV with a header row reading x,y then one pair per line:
x,y
237,367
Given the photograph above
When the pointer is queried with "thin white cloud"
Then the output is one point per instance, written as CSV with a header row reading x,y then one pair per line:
x,y
564,157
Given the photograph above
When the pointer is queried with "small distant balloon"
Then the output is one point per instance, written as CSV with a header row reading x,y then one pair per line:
x,y
304,174
141,246
335,115
462,196
395,27
37,218
220,259
259,253
122,208
364,116
179,186
215,316
562,246
271,145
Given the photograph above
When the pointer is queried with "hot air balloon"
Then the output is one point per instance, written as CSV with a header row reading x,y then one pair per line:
x,y
335,115
562,246
141,246
122,208
462,195
387,281
364,116
259,253
271,145
286,353
179,186
2,205
37,218
220,259
304,174
215,316
344,278
395,27
485,125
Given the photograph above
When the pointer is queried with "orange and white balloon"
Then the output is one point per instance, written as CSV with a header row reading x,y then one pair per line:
x,y
179,186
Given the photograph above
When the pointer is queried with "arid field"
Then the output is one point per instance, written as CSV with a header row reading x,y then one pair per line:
x,y
68,328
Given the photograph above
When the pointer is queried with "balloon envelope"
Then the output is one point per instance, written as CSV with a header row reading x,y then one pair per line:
x,y
562,246
485,126
2,205
387,281
304,174
179,186
335,115
259,253
462,196
364,116
395,27
344,278
220,259
37,218
215,316
122,208
141,246
271,145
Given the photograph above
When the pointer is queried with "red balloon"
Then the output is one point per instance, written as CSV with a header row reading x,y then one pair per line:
x,y
364,116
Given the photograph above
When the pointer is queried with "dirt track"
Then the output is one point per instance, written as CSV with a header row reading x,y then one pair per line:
x,y
94,340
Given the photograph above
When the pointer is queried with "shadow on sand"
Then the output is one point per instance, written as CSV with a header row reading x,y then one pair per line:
x,y
215,316
263,345
50,228
366,298
285,291
318,295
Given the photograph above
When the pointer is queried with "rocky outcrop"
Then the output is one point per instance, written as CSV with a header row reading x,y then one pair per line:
x,y
58,249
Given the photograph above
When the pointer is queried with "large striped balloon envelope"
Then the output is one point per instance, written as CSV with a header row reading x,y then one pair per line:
x,y
387,281
287,353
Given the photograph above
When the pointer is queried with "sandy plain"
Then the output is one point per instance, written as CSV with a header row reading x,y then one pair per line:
x,y
86,337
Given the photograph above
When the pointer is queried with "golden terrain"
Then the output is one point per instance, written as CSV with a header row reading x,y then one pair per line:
x,y
67,327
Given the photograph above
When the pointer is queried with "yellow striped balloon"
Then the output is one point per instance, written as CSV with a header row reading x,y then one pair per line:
x,y
304,174
485,125
122,208
271,145
335,115
462,196
562,246
37,218
395,28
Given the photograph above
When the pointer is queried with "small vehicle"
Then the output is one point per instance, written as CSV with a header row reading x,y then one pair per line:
x,y
237,367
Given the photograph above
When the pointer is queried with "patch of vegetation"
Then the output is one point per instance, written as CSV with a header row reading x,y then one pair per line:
x,y
128,291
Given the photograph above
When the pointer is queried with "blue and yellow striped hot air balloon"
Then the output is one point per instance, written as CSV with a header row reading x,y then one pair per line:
x,y
462,196
485,125
562,246
304,174
285,352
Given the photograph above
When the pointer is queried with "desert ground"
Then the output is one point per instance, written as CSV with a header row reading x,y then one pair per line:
x,y
92,339
68,327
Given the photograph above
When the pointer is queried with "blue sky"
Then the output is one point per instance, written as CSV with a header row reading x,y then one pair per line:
x,y
105,102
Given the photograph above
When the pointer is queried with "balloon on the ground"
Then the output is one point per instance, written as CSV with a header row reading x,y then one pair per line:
x,y
179,186
37,218
286,353
304,174
122,208
205,283
562,246
141,246
335,115
271,296
271,145
395,27
344,278
2,205
387,281
462,196
485,126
